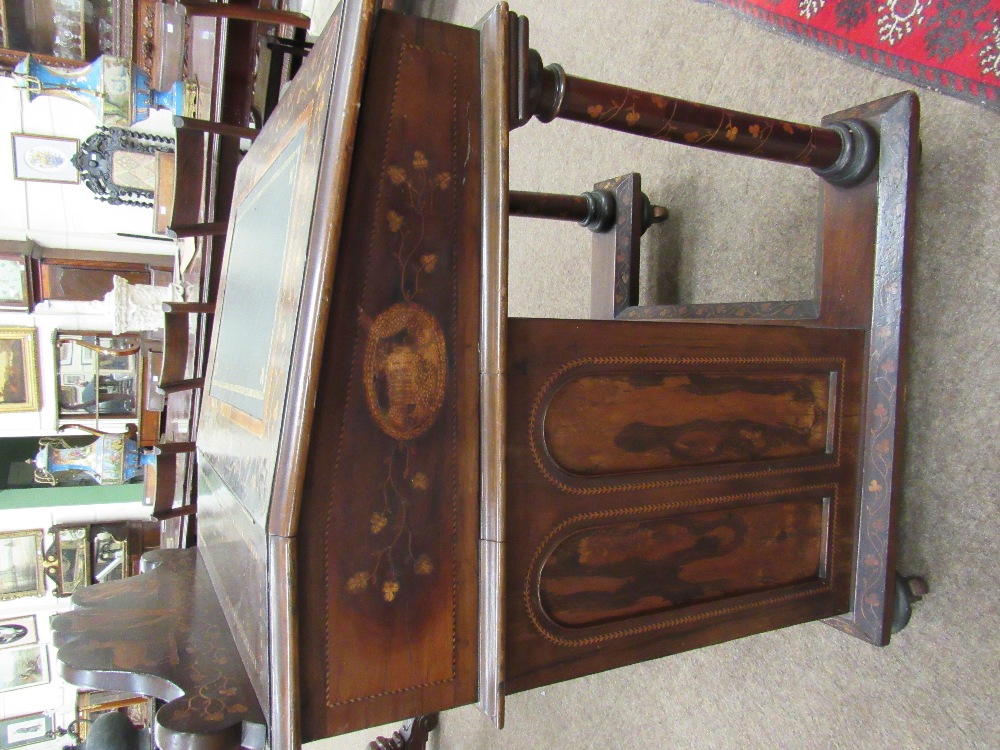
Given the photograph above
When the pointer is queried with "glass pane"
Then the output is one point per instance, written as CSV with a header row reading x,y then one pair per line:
x,y
97,375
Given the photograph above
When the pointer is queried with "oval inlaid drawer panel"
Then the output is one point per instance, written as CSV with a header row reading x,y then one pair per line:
x,y
605,574
601,424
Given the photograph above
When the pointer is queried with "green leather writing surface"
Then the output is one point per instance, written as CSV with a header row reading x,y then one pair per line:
x,y
257,254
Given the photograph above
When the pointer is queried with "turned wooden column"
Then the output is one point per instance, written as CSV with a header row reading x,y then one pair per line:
x,y
843,153
595,209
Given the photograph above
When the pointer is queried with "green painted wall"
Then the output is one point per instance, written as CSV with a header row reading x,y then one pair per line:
x,y
47,497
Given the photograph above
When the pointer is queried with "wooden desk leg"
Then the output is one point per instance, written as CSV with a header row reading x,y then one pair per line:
x,y
618,213
412,736
842,152
614,273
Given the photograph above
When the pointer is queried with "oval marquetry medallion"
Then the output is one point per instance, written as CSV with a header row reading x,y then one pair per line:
x,y
405,370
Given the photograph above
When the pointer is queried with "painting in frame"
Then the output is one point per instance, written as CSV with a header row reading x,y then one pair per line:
x,y
26,730
18,631
18,370
45,158
15,282
23,667
21,572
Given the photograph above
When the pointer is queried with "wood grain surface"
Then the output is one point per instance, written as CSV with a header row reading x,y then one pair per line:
x,y
387,596
648,555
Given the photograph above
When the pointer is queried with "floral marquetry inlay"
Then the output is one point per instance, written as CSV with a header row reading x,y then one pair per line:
x,y
405,375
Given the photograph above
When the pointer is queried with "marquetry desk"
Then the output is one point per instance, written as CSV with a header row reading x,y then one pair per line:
x,y
408,502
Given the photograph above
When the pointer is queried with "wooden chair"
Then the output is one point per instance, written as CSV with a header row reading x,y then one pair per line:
x,y
160,481
185,179
296,48
170,23
175,345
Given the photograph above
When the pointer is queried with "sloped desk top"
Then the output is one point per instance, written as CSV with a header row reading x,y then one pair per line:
x,y
338,436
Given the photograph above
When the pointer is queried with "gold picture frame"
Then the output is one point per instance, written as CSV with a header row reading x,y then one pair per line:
x,y
21,571
18,370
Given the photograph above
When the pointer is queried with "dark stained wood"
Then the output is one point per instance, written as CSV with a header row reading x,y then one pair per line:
x,y
396,419
176,364
188,184
240,12
638,489
217,128
80,279
161,482
650,420
692,124
896,119
209,228
802,506
147,621
413,735
549,206
621,571
614,266
794,310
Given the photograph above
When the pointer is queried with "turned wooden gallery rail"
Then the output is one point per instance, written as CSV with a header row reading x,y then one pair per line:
x,y
408,501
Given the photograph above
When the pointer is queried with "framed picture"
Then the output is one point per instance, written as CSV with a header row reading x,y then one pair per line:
x,y
15,282
26,730
44,158
18,370
21,564
23,667
67,560
18,631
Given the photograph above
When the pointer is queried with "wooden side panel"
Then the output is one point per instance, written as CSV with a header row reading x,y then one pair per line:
x,y
625,569
690,541
656,420
387,599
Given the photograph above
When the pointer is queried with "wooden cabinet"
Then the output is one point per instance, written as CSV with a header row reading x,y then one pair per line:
x,y
70,29
81,280
71,33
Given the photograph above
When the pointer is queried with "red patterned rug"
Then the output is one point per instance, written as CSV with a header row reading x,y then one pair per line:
x,y
952,46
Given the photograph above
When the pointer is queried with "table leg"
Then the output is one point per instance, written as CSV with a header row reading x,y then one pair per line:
x,y
842,153
413,735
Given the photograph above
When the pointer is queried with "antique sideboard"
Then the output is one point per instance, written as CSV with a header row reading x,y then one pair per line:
x,y
409,502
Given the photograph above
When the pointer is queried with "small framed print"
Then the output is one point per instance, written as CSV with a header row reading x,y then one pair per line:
x,y
18,631
18,370
15,282
26,730
21,572
44,158
23,667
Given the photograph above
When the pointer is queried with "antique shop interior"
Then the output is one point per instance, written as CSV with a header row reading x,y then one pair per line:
x,y
821,329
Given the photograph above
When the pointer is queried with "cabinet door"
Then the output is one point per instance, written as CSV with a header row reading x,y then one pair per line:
x,y
79,280
672,486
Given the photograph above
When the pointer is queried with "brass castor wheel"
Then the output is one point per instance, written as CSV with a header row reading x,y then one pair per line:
x,y
909,589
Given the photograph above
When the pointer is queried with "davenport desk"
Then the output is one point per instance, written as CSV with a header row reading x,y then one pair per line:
x,y
408,502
